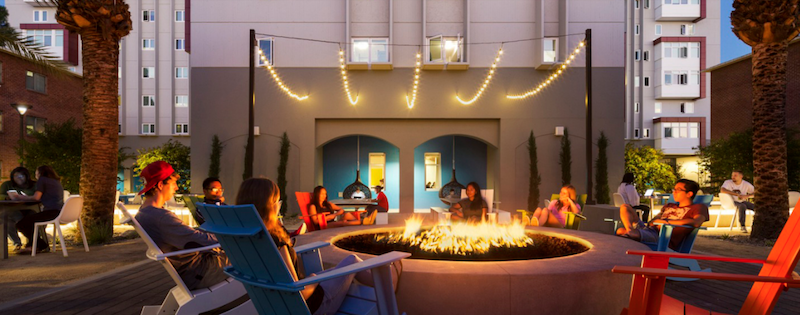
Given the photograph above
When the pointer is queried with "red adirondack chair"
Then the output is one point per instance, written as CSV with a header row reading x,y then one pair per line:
x,y
776,275
303,200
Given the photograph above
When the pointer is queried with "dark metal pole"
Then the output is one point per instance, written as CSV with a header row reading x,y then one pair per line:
x,y
249,151
21,139
588,101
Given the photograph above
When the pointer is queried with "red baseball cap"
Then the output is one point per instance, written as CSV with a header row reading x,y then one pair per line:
x,y
154,173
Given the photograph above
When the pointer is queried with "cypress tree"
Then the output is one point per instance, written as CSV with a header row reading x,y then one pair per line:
x,y
216,154
601,166
535,177
565,159
284,156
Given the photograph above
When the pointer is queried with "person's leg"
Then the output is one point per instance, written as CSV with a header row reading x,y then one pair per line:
x,y
13,217
336,289
544,215
25,226
552,221
645,212
741,210
628,216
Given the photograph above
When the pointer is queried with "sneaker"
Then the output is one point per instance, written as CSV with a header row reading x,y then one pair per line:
x,y
301,230
743,229
24,251
370,218
534,221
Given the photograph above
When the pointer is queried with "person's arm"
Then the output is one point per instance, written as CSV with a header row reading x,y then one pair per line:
x,y
180,235
726,190
456,209
37,196
574,207
694,221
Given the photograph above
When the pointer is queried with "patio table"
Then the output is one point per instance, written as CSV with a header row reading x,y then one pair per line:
x,y
5,207
450,201
354,203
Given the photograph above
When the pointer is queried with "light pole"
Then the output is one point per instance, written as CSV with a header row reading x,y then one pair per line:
x,y
21,109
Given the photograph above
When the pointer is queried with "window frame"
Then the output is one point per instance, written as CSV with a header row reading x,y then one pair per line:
x,y
270,56
182,16
646,133
150,40
181,129
658,29
151,129
149,16
370,47
372,166
443,49
555,50
151,72
181,70
180,44
657,108
437,182
178,103
36,126
151,98
40,16
32,82
646,55
646,81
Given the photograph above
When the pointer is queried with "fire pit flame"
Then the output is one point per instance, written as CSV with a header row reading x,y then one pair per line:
x,y
460,238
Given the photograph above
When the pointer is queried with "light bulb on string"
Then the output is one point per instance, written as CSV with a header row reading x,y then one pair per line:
x,y
276,77
413,99
344,79
552,77
485,81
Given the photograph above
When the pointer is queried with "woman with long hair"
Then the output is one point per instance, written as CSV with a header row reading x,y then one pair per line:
x,y
320,204
324,297
50,192
21,182
631,197
555,213
471,208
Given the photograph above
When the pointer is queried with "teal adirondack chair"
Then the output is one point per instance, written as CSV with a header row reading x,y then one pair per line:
x,y
257,263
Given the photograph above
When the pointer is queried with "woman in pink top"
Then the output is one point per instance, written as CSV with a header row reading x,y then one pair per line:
x,y
555,213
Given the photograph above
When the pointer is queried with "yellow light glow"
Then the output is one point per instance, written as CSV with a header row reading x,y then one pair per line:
x,y
413,99
550,78
277,78
485,82
344,80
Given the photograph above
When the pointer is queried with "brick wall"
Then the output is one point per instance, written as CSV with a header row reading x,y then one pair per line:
x,y
732,95
63,100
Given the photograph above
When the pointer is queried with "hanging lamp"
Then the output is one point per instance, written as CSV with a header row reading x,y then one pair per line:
x,y
453,184
350,189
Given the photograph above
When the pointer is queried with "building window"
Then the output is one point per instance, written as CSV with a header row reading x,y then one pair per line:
x,y
681,2
377,169
636,55
636,81
181,72
636,3
636,133
657,108
687,29
636,107
149,16
687,108
682,79
681,50
433,171
148,129
180,44
658,29
646,133
119,129
694,50
636,29
47,38
266,48
148,100
681,130
646,55
181,129
181,100
646,4
550,50
646,81
445,48
148,72
180,16
35,82
34,124
369,50
39,16
148,44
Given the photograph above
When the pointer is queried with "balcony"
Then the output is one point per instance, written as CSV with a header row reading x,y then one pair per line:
x,y
681,12
41,3
677,146
677,91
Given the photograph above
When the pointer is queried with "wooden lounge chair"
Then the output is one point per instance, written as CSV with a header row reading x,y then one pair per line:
x,y
776,276
303,200
572,221
181,300
258,264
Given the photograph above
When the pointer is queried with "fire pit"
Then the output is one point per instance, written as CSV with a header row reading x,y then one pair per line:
x,y
576,283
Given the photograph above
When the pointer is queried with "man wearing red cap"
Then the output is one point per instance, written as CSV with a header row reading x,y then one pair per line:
x,y
198,270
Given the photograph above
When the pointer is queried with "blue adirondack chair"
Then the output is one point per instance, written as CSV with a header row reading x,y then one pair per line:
x,y
257,263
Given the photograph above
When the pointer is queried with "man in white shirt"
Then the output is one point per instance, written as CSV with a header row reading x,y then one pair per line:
x,y
741,190
358,194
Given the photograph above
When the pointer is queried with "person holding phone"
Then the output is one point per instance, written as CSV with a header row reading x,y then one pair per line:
x,y
19,183
51,194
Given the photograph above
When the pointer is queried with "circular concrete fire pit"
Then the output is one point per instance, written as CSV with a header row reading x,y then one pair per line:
x,y
576,284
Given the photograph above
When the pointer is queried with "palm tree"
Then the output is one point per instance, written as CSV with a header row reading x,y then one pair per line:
x,y
101,24
13,41
768,26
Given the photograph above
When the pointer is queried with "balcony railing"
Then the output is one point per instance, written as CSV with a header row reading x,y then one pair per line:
x,y
680,12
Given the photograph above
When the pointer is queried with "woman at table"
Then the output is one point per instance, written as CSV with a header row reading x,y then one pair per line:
x,y
555,215
472,208
320,204
324,297
631,197
50,193
20,181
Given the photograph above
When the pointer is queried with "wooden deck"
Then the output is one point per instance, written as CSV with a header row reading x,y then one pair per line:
x,y
127,291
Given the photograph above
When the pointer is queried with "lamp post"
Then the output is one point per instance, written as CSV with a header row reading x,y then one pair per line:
x,y
21,109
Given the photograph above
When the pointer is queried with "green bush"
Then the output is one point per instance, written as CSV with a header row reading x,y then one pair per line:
x,y
59,146
649,172
172,152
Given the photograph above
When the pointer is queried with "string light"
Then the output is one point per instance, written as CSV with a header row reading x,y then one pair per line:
x,y
277,78
343,70
553,76
417,73
489,76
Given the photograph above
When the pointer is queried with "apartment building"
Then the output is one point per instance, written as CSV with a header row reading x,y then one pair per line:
x,y
153,72
668,44
406,93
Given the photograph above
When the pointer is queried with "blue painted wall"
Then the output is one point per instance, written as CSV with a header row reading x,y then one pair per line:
x,y
471,157
339,166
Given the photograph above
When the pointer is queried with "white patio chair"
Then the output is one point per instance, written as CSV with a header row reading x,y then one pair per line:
x,y
794,196
181,300
618,200
726,203
70,212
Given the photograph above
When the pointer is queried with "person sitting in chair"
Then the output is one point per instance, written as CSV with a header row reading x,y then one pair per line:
x,y
358,194
555,215
740,190
320,204
21,182
324,297
471,208
681,213
50,192
212,192
197,270
380,198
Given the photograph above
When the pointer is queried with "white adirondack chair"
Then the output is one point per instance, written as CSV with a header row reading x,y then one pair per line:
x,y
180,300
727,205
794,196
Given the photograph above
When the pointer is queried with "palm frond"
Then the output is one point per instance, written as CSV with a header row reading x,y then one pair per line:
x,y
33,51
